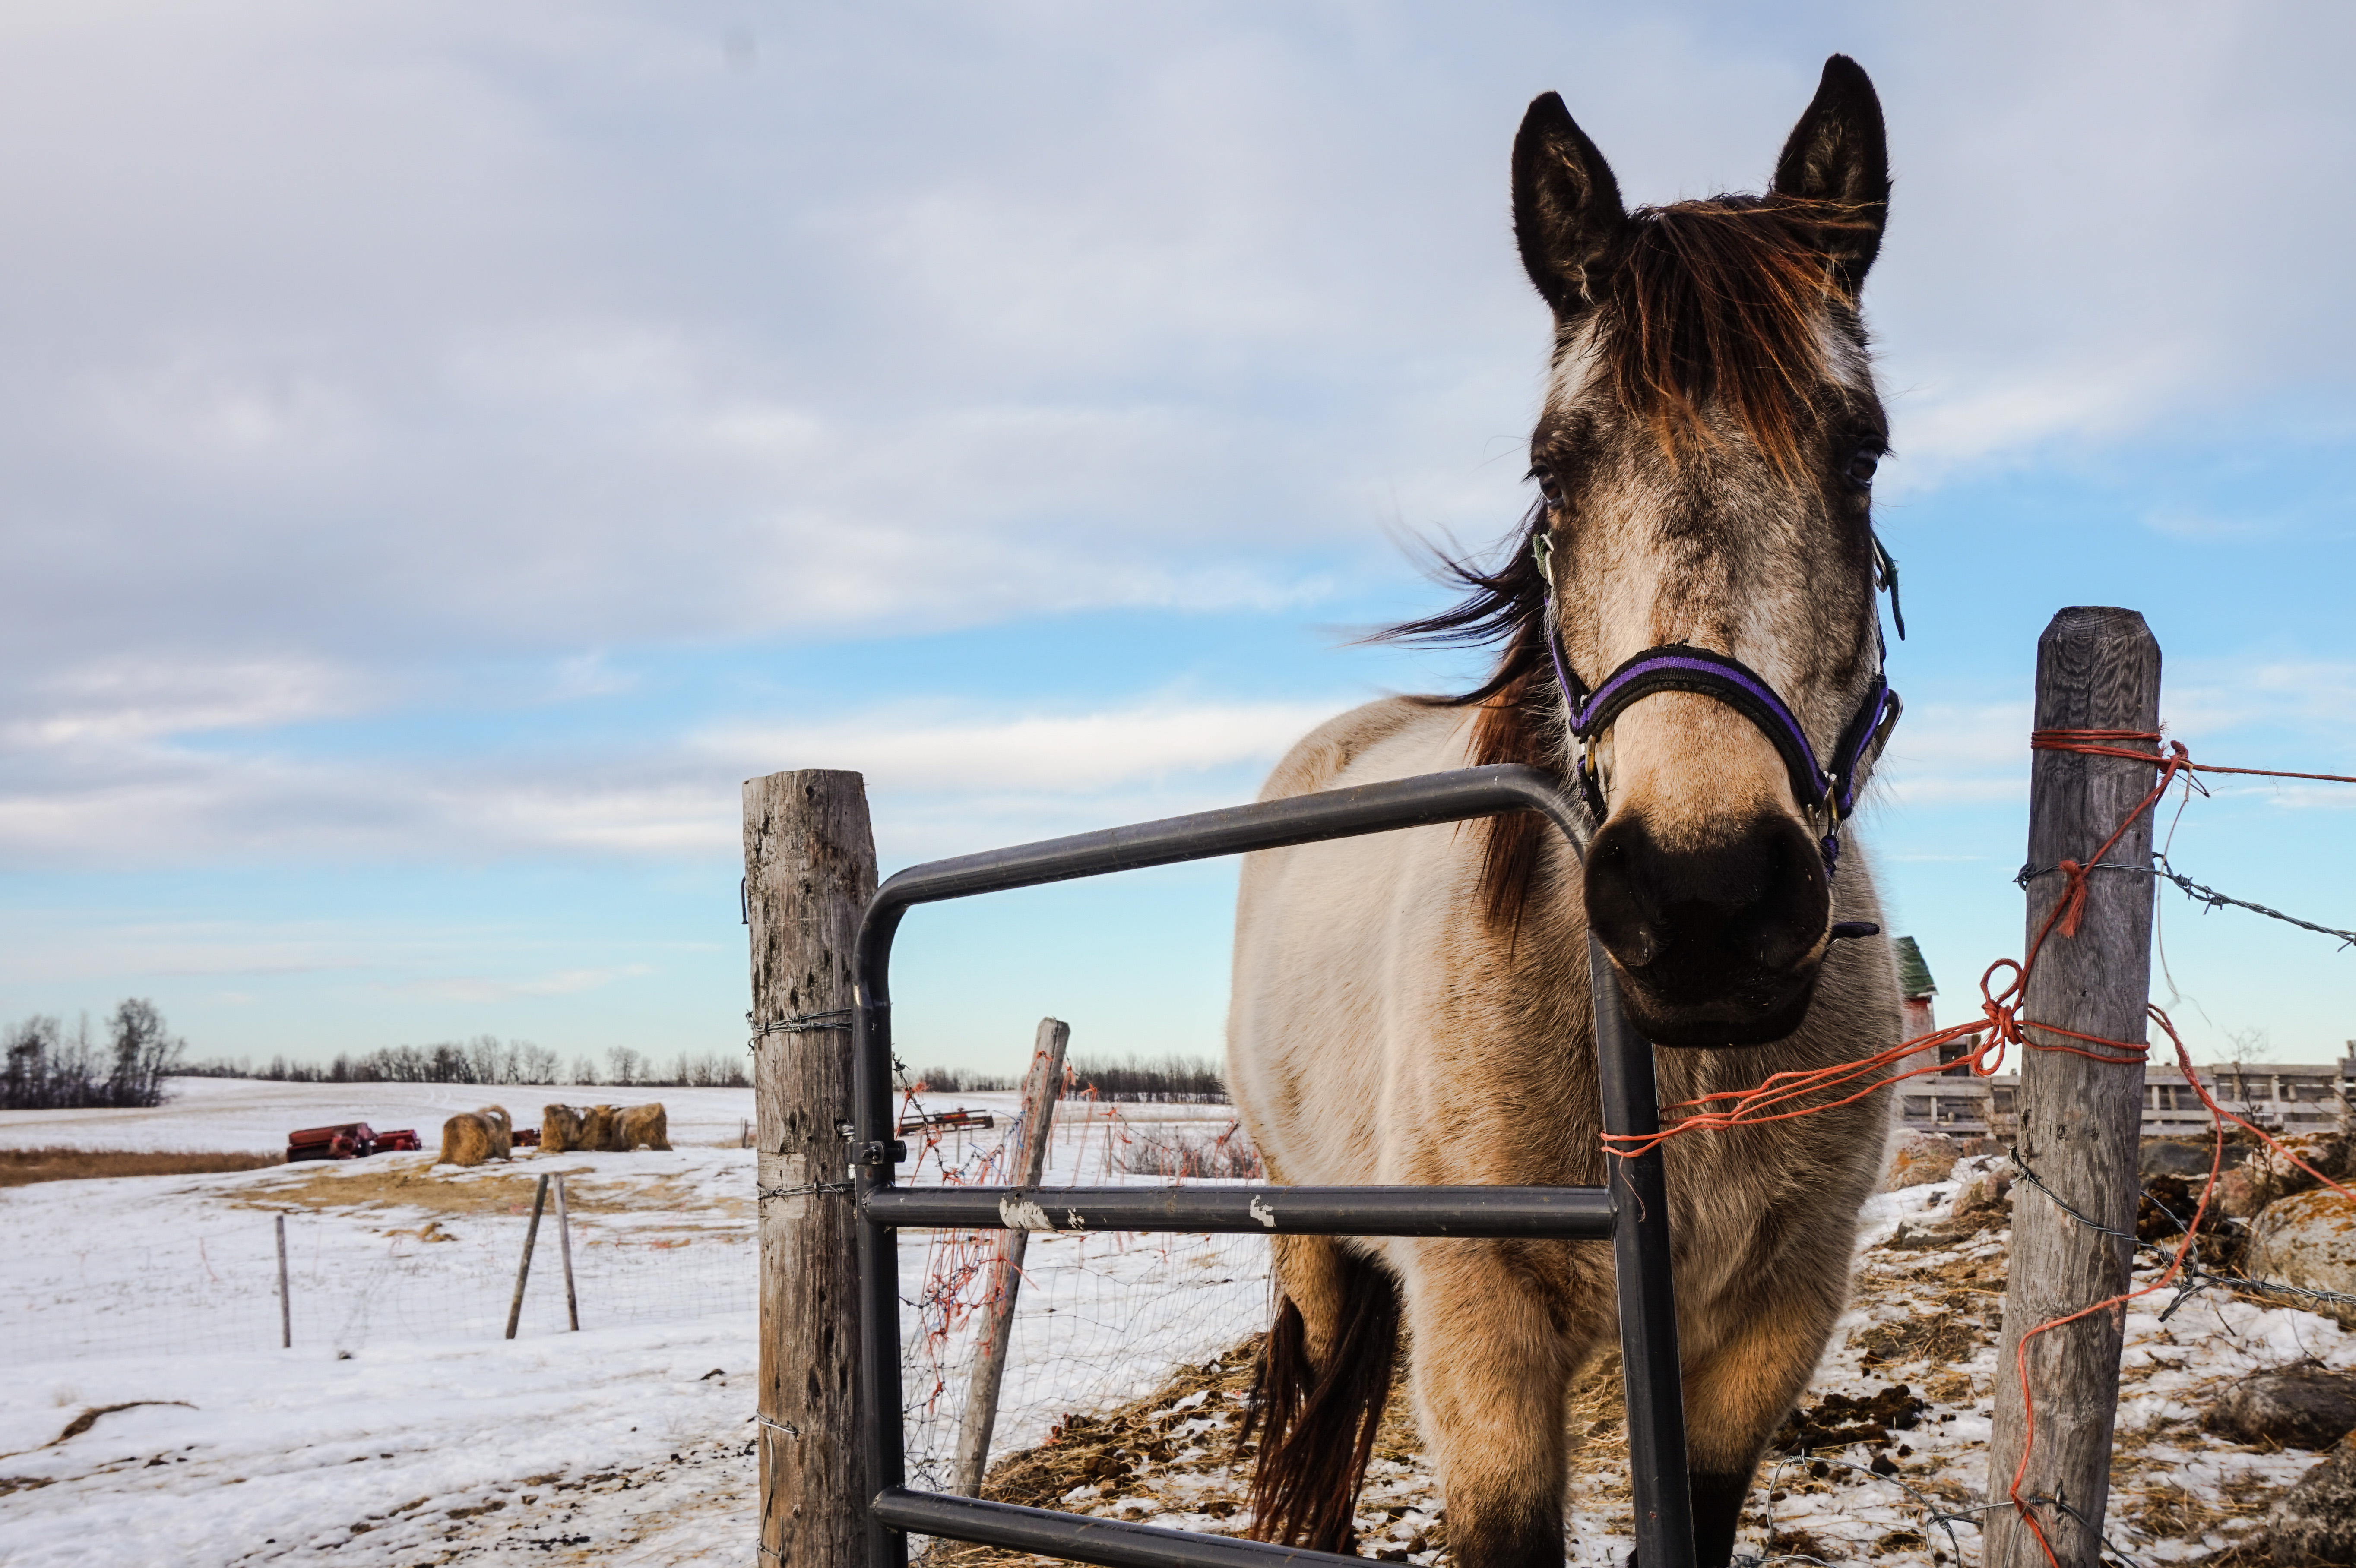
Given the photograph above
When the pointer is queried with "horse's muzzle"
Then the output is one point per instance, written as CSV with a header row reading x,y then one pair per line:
x,y
1719,946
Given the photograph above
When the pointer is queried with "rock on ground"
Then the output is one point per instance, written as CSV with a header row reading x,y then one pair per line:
x,y
2314,1524
1918,1158
1986,1198
2309,1239
2303,1407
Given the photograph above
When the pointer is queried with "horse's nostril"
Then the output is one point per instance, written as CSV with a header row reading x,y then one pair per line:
x,y
1703,925
1783,923
1620,874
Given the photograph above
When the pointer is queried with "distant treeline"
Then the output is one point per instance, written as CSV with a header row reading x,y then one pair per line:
x,y
493,1063
52,1069
960,1081
1182,1078
1150,1078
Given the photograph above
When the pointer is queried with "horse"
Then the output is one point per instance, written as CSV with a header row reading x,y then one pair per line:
x,y
1415,1007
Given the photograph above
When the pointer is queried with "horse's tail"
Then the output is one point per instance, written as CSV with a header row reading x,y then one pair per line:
x,y
1317,1424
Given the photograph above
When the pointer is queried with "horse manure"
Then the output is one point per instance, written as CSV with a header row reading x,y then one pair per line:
x,y
1838,1420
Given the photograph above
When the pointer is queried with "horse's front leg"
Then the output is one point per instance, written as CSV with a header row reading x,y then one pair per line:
x,y
1493,1347
1740,1386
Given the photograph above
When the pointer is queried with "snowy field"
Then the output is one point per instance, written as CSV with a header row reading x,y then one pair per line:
x,y
401,1428
237,1115
149,1416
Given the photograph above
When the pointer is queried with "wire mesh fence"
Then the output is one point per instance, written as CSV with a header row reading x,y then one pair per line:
x,y
1099,1319
214,1289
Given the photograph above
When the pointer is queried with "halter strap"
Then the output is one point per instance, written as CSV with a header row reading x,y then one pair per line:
x,y
1679,667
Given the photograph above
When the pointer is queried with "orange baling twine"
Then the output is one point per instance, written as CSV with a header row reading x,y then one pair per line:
x,y
1788,1095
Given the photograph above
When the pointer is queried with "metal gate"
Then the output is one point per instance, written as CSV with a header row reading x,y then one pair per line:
x,y
1632,1211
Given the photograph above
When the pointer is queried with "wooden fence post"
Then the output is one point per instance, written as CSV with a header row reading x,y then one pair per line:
x,y
523,1268
564,1246
2080,1119
1042,1087
285,1303
809,869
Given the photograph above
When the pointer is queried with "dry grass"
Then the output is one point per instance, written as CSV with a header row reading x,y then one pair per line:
x,y
23,1167
410,1181
1123,1454
2172,1513
1946,1333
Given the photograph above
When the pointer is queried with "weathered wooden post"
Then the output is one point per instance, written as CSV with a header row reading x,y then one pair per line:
x,y
1042,1087
523,1268
809,869
2097,669
285,1303
565,1247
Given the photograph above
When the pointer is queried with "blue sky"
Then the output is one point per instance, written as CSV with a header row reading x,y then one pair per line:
x,y
445,449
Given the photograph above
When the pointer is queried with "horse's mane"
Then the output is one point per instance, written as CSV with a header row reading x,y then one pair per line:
x,y
1697,305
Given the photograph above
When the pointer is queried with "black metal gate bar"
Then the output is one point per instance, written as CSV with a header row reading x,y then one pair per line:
x,y
1647,1312
1657,1480
1575,1212
1118,1542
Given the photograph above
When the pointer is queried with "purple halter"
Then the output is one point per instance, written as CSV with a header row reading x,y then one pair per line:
x,y
1675,667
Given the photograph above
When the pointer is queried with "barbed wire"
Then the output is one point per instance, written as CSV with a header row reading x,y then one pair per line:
x,y
1933,1511
2107,1544
2202,1275
806,1023
2215,900
2198,893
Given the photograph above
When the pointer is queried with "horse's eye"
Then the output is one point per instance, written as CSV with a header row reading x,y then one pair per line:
x,y
1862,463
1548,485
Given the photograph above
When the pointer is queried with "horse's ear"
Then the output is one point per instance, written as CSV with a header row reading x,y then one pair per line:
x,y
1838,154
1566,204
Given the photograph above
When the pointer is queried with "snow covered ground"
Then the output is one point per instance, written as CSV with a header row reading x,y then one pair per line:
x,y
149,1416
401,1428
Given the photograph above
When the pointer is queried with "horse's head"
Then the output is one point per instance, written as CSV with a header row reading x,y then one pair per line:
x,y
1706,458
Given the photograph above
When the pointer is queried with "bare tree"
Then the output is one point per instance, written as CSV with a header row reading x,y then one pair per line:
x,y
536,1064
48,1068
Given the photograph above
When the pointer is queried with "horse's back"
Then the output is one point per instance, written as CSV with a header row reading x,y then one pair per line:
x,y
1361,738
1335,940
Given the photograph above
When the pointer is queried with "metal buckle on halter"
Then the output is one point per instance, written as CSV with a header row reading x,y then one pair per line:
x,y
1829,845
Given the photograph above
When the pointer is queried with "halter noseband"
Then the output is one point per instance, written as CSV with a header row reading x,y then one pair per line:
x,y
1678,666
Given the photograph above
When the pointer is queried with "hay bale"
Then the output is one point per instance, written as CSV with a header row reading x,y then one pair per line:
x,y
470,1137
502,1130
560,1129
596,1128
647,1125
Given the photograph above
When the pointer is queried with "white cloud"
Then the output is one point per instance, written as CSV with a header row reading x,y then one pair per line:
x,y
1956,754
111,790
382,328
1073,754
355,350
